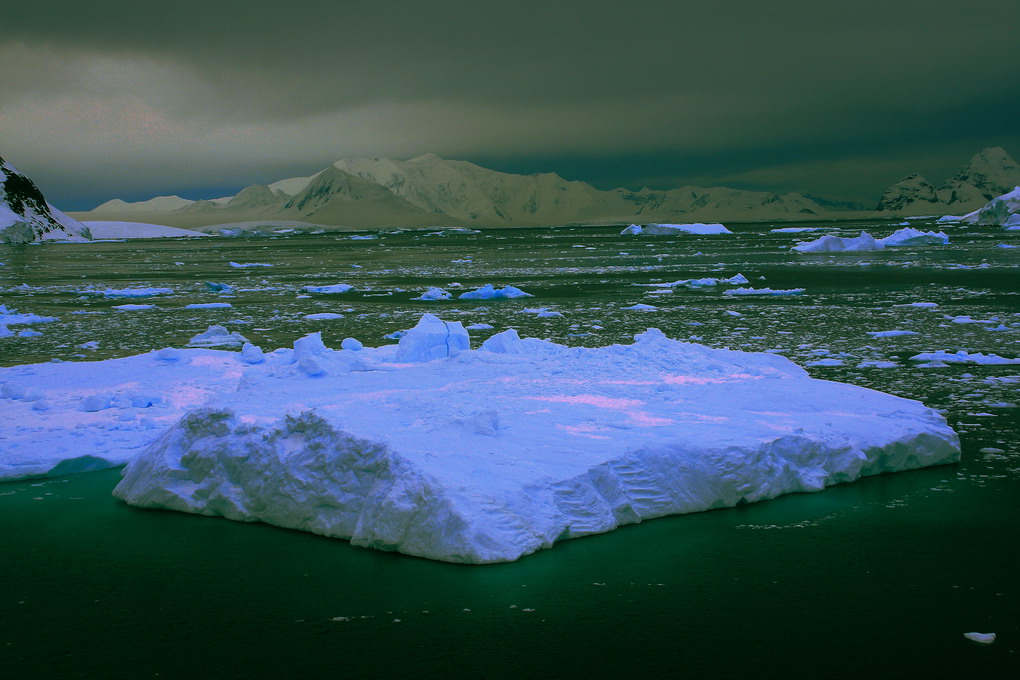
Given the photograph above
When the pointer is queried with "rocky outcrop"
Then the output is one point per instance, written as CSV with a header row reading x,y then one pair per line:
x,y
25,215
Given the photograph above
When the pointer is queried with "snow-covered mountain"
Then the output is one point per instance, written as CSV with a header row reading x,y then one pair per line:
x,y
909,191
989,174
26,216
432,191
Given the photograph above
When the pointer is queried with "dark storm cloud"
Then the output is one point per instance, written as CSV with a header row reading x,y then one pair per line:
x,y
220,88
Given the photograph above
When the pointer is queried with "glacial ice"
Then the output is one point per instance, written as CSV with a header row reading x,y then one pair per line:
x,y
217,336
432,449
490,292
675,229
908,236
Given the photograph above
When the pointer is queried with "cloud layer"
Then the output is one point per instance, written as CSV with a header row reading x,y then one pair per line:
x,y
117,98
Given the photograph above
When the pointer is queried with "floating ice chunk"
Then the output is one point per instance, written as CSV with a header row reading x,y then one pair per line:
x,y
323,316
432,339
1004,245
5,332
983,638
28,333
914,237
129,292
731,312
963,357
656,229
252,354
890,334
351,344
826,362
91,344
795,230
478,327
921,305
878,364
218,287
763,291
489,292
642,307
249,265
330,289
217,336
208,305
133,307
541,312
11,317
434,293
835,244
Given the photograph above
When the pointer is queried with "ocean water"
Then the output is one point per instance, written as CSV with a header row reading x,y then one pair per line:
x,y
879,577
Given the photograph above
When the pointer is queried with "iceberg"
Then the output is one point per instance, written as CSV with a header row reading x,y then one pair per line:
x,y
1002,210
430,448
915,237
836,244
489,292
675,229
330,289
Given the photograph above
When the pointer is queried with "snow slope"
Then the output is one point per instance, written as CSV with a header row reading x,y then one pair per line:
x,y
433,449
26,216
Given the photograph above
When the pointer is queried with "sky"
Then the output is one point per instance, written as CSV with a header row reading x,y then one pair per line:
x,y
127,99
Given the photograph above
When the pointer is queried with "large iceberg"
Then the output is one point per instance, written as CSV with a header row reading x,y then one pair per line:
x,y
1002,210
432,449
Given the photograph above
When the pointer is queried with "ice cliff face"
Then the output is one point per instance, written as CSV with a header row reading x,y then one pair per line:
x,y
26,216
988,174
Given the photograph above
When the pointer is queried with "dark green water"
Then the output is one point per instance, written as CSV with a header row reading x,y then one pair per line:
x,y
878,578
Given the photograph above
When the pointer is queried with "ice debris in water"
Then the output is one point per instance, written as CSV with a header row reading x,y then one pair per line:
x,y
486,455
963,357
214,287
675,229
983,638
249,265
330,289
434,293
217,336
763,291
489,292
130,292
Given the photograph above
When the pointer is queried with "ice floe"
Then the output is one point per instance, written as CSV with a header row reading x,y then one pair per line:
x,y
433,449
330,289
655,229
764,291
490,292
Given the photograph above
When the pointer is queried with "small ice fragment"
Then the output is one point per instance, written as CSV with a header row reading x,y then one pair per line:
x,y
252,354
351,344
983,638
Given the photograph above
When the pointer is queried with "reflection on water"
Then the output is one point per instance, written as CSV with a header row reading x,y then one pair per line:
x,y
881,576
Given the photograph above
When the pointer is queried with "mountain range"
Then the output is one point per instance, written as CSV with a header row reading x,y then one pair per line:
x,y
989,174
432,191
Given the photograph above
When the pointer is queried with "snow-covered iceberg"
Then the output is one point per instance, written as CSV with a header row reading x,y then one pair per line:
x,y
432,449
908,236
675,229
837,244
1002,210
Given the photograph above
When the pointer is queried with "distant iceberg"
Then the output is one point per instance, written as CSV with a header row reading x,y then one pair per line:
x,y
1002,210
675,229
908,236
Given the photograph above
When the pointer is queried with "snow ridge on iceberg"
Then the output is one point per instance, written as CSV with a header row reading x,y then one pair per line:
x,y
486,455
